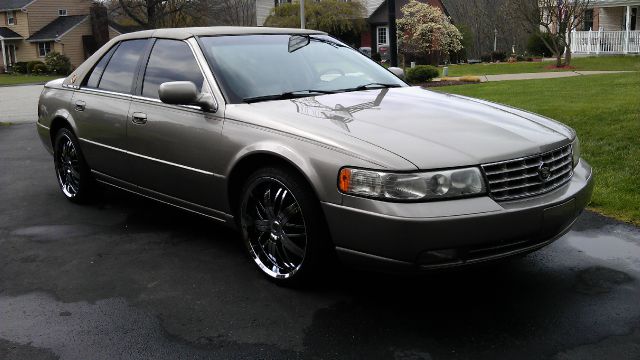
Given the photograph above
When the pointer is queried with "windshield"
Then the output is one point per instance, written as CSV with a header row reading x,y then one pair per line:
x,y
263,67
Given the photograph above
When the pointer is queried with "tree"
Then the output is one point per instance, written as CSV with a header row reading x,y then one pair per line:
x,y
344,20
151,14
424,28
232,12
553,21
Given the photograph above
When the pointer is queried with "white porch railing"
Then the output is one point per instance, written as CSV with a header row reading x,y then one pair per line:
x,y
605,42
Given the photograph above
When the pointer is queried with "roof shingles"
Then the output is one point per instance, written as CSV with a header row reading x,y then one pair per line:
x,y
6,33
13,4
57,28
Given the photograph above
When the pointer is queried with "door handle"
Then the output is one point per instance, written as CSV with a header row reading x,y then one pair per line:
x,y
139,118
80,105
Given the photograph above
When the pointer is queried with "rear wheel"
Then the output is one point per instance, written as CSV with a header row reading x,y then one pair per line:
x,y
282,226
72,172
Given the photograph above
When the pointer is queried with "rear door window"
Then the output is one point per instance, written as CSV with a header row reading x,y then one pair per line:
x,y
119,74
170,60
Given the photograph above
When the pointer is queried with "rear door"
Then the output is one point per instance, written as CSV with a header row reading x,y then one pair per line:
x,y
172,148
101,104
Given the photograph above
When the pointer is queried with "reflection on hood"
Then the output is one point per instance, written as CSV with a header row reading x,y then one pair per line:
x,y
339,115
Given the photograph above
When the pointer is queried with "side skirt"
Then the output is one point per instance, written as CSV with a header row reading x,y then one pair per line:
x,y
220,216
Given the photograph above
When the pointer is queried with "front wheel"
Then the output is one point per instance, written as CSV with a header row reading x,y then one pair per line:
x,y
72,172
282,226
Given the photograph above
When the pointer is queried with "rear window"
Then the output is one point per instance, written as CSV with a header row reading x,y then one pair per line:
x,y
119,74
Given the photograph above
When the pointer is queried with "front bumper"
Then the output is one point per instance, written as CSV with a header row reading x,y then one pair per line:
x,y
392,236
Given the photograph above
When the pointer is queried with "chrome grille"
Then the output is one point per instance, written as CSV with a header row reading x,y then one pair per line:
x,y
529,176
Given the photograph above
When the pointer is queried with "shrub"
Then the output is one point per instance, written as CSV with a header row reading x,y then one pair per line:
x,y
422,74
31,64
536,46
20,67
498,56
58,63
40,69
485,57
376,57
520,58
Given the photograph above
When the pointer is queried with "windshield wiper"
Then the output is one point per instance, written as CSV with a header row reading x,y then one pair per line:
x,y
286,95
373,85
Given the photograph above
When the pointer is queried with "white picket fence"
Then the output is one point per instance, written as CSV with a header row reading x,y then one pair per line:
x,y
605,42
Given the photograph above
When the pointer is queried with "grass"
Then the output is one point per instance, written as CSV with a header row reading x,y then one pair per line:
x,y
3,123
11,79
581,63
604,110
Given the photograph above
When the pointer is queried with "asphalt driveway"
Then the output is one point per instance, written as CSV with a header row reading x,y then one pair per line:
x,y
130,278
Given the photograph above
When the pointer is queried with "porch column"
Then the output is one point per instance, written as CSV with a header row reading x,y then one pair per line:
x,y
628,28
4,56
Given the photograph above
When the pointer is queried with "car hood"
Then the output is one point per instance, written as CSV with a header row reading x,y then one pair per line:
x,y
427,128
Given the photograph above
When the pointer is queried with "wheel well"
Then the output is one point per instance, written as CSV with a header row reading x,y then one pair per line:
x,y
248,165
57,124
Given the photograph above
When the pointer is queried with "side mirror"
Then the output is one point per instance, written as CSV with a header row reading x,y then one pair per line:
x,y
185,93
397,72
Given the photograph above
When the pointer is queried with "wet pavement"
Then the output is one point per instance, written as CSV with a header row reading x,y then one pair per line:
x,y
130,278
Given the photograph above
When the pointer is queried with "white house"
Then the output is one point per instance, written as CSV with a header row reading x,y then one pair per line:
x,y
610,27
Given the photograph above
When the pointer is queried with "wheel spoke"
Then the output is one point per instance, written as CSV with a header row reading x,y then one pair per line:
x,y
268,204
291,247
262,225
288,212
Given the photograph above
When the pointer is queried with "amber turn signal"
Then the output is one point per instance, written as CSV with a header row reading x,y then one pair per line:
x,y
344,179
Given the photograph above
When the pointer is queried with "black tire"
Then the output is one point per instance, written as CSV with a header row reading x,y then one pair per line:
x,y
72,172
283,227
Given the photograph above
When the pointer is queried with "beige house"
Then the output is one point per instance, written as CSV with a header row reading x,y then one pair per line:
x,y
30,29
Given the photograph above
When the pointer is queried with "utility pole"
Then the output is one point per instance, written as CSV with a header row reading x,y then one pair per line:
x,y
302,19
393,38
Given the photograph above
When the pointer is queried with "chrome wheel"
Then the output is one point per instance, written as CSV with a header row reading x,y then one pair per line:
x,y
273,227
67,165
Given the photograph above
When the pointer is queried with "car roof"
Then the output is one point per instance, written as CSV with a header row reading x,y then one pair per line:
x,y
76,77
185,33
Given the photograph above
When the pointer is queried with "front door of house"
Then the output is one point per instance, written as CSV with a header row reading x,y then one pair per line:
x,y
10,53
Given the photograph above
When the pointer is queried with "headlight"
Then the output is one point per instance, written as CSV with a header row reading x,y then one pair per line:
x,y
429,185
575,151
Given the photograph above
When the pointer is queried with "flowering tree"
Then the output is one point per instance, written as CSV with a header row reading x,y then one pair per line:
x,y
424,28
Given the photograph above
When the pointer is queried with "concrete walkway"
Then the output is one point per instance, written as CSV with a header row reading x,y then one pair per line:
x,y
540,75
19,104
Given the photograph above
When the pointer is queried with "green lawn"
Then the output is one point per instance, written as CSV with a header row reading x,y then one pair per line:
x,y
584,63
605,111
10,79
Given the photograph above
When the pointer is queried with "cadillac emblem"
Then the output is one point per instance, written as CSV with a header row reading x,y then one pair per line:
x,y
544,173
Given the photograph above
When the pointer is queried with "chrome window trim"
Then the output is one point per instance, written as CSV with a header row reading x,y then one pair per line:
x,y
152,158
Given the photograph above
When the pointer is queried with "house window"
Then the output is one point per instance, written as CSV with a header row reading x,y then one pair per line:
x,y
280,2
382,35
11,18
44,48
62,12
588,20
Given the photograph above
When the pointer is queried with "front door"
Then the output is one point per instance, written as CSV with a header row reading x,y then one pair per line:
x,y
10,54
172,148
